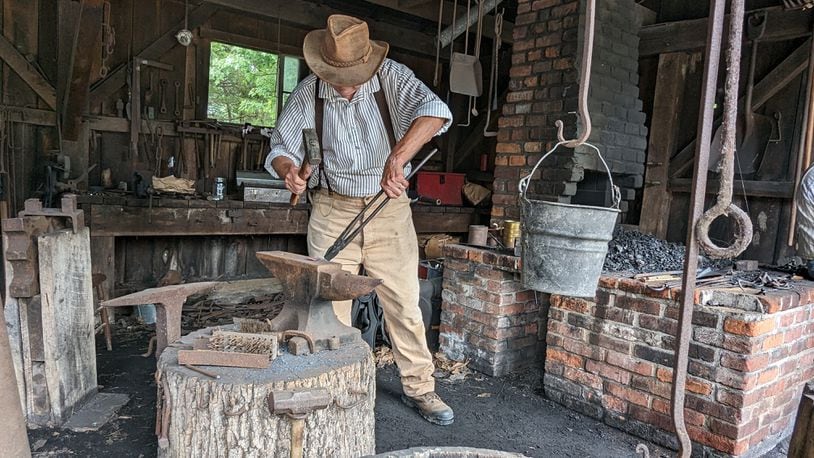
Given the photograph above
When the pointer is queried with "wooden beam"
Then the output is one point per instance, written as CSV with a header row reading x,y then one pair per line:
x,y
430,13
312,15
670,80
86,48
691,35
21,66
780,76
155,50
251,42
771,189
29,115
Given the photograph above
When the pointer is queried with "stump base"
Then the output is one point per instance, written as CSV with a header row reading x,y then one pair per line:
x,y
201,416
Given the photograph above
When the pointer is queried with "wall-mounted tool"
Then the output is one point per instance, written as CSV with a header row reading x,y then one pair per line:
x,y
135,99
163,96
177,98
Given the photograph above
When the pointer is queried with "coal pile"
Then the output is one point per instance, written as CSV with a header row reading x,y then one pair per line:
x,y
635,252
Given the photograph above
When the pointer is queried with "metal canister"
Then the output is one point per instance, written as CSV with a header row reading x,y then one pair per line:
x,y
478,235
511,232
220,188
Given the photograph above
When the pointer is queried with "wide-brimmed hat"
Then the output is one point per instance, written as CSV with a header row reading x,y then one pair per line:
x,y
343,53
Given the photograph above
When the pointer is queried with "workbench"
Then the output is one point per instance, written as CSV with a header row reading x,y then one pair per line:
x,y
111,217
132,217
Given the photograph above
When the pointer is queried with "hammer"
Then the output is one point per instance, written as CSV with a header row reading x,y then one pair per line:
x,y
313,156
296,405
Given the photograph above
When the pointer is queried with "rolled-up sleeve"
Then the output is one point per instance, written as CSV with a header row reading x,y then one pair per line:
x,y
286,137
412,97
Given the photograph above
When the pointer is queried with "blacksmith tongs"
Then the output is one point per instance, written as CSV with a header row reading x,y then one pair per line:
x,y
350,233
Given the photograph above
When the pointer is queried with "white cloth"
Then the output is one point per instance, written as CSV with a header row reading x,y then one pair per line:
x,y
354,144
805,216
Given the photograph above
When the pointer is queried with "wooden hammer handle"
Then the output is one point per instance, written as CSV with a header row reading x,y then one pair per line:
x,y
295,198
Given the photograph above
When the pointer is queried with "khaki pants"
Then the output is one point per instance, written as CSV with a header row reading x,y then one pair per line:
x,y
388,249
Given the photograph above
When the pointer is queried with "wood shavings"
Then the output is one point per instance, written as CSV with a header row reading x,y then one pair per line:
x,y
384,356
450,369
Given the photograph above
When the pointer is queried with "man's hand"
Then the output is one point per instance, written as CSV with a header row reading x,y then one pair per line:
x,y
293,181
393,181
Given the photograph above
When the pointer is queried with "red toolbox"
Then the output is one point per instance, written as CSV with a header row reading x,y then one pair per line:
x,y
441,185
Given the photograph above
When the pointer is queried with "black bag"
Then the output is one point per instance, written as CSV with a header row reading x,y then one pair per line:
x,y
367,316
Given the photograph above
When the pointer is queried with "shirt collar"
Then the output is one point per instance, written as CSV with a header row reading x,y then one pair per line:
x,y
326,91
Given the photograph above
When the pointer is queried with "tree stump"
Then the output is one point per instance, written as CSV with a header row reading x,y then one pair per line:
x,y
201,416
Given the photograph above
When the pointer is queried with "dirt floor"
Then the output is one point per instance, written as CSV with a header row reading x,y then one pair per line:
x,y
506,413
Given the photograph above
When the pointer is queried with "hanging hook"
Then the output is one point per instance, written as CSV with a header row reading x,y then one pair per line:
x,y
724,205
584,81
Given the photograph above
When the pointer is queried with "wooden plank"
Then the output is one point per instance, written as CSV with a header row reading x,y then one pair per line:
x,y
774,189
115,220
670,80
29,115
691,35
222,358
86,49
450,223
312,15
67,319
156,49
780,76
122,125
27,72
252,42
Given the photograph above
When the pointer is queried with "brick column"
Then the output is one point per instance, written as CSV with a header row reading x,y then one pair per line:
x,y
544,88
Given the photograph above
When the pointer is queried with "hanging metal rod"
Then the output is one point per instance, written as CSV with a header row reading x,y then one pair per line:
x,y
461,23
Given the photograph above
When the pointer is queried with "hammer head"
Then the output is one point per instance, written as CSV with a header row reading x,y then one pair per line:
x,y
313,154
298,403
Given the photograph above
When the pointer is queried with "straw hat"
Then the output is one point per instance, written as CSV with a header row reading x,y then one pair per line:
x,y
343,54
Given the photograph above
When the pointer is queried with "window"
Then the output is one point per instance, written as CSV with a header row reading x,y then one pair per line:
x,y
244,84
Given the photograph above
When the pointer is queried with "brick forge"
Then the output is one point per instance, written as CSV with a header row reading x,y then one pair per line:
x,y
487,316
610,358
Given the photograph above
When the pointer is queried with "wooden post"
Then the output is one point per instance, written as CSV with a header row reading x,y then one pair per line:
x,y
802,439
671,76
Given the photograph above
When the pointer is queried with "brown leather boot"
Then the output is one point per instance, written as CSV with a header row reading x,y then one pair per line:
x,y
431,407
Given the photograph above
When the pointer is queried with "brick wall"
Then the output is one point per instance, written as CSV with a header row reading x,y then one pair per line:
x,y
544,87
611,359
487,317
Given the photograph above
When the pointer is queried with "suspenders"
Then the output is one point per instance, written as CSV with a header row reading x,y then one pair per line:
x,y
319,115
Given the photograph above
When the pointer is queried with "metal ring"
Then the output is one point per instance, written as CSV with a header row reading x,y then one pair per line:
x,y
743,232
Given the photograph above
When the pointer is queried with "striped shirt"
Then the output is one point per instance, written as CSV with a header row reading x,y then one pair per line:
x,y
355,145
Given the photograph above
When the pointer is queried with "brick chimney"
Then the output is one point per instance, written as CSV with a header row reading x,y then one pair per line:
x,y
544,87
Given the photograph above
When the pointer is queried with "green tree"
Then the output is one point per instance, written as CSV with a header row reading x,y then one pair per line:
x,y
242,85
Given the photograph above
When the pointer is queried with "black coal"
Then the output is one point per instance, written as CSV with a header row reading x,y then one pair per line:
x,y
635,252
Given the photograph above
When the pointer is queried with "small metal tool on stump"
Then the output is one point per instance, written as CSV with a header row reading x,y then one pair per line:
x,y
296,405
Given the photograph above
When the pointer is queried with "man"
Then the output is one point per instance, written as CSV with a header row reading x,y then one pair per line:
x,y
372,116
805,221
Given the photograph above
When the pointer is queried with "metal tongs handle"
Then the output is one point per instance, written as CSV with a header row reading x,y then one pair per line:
x,y
350,233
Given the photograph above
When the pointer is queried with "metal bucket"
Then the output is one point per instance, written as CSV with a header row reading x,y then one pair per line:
x,y
564,245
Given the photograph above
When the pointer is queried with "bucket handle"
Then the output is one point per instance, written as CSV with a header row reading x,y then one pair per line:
x,y
524,182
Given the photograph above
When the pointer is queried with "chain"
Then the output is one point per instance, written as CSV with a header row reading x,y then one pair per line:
x,y
108,40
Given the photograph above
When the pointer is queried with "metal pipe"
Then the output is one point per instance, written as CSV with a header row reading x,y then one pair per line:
x,y
13,433
713,55
460,24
